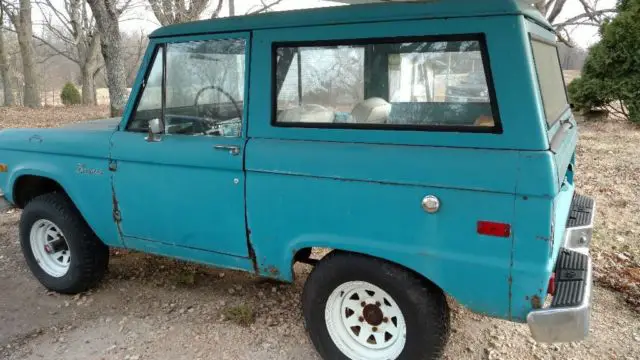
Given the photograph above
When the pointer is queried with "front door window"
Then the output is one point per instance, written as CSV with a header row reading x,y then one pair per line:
x,y
150,102
203,89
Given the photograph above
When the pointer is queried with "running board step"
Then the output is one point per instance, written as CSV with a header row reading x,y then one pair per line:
x,y
579,229
581,211
571,279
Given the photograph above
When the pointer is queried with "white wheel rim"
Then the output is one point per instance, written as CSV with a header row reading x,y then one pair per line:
x,y
50,248
365,322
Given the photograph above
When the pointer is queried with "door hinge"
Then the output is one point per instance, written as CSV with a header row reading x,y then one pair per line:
x,y
113,165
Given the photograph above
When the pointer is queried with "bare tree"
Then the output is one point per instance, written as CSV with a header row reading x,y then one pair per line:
x,y
134,46
20,17
572,58
232,8
180,11
107,13
592,15
264,6
80,41
4,67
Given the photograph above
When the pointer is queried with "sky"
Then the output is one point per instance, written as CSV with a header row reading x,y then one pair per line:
x,y
142,19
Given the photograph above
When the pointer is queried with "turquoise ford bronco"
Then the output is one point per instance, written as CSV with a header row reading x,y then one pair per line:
x,y
429,145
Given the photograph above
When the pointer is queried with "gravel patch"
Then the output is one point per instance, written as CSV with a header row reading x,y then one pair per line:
x,y
145,310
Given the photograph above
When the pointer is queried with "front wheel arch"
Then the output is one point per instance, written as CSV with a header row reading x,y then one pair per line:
x,y
31,184
28,187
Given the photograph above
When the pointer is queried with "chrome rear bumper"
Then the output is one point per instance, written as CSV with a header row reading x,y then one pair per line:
x,y
567,319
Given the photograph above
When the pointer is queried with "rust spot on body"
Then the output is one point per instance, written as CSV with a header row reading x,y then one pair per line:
x,y
272,271
536,303
252,254
117,218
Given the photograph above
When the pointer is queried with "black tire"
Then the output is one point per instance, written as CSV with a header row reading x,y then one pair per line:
x,y
89,256
423,305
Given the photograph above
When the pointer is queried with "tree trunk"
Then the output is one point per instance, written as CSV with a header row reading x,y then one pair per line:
x,y
88,63
88,86
4,72
27,53
106,16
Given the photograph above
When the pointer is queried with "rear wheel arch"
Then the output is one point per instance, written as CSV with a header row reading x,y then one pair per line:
x,y
301,252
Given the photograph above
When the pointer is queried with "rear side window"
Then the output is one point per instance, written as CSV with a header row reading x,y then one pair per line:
x,y
552,88
441,83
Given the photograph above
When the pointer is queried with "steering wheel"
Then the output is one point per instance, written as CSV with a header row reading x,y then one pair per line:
x,y
219,89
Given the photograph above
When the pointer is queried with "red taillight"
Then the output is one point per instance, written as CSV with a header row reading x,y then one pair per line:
x,y
551,289
494,229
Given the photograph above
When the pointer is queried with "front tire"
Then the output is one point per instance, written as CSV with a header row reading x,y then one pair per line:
x,y
361,308
60,249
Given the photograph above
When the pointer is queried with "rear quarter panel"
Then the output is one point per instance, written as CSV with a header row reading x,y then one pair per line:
x,y
367,199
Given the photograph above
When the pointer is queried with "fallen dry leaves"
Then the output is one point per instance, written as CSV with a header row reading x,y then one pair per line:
x,y
608,168
620,273
51,116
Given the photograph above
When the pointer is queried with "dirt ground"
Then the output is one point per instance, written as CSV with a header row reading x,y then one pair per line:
x,y
156,308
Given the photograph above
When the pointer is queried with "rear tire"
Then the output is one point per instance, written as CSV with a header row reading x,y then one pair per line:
x,y
358,307
60,249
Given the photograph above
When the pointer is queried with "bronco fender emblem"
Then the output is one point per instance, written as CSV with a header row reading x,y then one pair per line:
x,y
81,169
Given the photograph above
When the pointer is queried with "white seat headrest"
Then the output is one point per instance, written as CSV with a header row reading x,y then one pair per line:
x,y
373,110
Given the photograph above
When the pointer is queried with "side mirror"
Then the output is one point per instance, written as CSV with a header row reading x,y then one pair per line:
x,y
156,127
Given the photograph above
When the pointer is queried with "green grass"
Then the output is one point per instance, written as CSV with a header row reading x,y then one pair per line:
x,y
242,315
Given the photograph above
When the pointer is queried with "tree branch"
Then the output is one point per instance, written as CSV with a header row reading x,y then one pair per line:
x,y
196,8
40,62
565,39
556,10
123,8
592,13
547,6
573,20
217,10
58,34
98,69
264,8
45,42
11,12
61,17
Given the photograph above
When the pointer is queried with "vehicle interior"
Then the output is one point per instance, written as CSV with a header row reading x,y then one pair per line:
x,y
407,83
412,83
202,93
